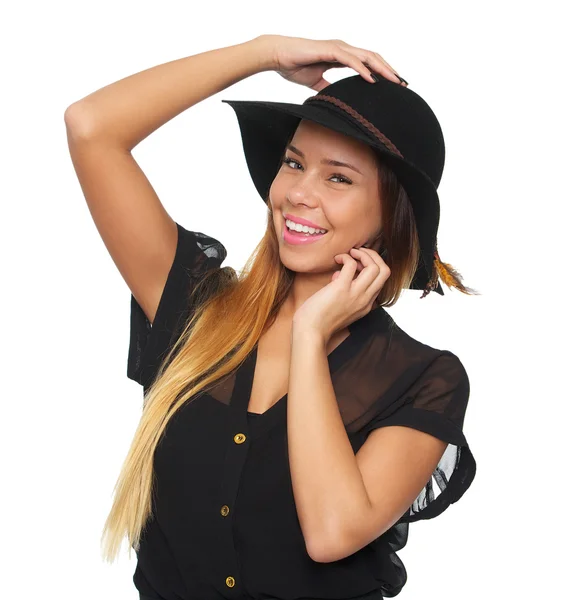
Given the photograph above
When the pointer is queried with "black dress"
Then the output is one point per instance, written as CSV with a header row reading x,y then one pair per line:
x,y
225,523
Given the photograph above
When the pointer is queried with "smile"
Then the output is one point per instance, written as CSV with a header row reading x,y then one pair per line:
x,y
299,238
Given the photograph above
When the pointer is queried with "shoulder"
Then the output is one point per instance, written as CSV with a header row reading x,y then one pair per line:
x,y
416,356
409,346
198,252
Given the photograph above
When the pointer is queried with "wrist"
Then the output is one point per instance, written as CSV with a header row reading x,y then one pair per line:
x,y
264,50
304,333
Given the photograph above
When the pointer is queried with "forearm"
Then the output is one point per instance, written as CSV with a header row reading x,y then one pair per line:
x,y
127,111
327,484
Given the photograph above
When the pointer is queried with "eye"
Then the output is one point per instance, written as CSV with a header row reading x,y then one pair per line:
x,y
288,160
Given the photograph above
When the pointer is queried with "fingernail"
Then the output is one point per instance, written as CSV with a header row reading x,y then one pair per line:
x,y
402,80
374,77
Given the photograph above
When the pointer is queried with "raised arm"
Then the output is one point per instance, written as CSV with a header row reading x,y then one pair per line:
x,y
106,125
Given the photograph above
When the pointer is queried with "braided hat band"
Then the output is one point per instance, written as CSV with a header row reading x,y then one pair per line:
x,y
362,120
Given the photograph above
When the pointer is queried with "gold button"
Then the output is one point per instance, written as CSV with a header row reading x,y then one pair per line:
x,y
230,581
224,510
240,438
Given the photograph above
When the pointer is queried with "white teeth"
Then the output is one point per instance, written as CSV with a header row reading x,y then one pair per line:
x,y
303,228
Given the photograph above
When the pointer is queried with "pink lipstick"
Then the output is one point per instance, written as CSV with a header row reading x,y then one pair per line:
x,y
299,238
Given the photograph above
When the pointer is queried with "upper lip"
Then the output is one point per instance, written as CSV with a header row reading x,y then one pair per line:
x,y
302,221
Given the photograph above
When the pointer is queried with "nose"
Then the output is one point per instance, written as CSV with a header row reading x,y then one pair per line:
x,y
304,192
300,198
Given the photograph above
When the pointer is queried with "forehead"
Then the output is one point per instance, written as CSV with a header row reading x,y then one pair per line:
x,y
315,140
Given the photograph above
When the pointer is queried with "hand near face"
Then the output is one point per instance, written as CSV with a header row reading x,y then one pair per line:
x,y
346,298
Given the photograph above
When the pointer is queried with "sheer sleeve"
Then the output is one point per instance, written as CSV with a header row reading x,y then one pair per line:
x,y
196,253
436,404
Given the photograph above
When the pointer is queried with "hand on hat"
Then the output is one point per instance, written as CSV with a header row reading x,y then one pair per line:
x,y
304,61
346,298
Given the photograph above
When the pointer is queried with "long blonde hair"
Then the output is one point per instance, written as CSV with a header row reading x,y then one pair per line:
x,y
245,306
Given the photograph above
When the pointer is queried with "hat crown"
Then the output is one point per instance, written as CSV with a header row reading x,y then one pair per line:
x,y
400,114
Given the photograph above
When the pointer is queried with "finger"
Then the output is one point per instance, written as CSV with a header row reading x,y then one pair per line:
x,y
338,258
384,273
353,61
376,56
371,272
381,68
364,254
349,268
373,60
370,60
376,256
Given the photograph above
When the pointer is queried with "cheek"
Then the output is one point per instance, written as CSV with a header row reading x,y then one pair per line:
x,y
276,196
345,223
276,184
351,233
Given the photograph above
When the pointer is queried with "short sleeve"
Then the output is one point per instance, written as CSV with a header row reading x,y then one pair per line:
x,y
436,404
196,253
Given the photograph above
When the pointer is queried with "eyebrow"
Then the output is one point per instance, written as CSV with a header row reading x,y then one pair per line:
x,y
325,161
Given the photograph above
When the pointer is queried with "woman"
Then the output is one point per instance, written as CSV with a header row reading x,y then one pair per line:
x,y
296,475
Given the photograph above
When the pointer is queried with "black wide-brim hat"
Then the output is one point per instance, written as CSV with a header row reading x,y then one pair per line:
x,y
391,118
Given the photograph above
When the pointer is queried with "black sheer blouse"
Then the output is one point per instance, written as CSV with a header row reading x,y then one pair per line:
x,y
225,523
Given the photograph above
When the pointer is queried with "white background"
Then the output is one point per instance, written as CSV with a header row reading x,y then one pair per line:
x,y
490,71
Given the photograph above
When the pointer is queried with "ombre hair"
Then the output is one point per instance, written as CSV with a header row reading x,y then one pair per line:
x,y
246,306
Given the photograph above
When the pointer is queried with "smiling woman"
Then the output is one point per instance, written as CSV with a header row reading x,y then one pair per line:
x,y
290,500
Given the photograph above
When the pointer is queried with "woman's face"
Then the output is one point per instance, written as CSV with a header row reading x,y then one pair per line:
x,y
339,199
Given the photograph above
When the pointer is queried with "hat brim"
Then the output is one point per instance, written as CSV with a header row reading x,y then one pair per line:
x,y
266,128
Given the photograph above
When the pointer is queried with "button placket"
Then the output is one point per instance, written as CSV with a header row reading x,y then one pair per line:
x,y
235,457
